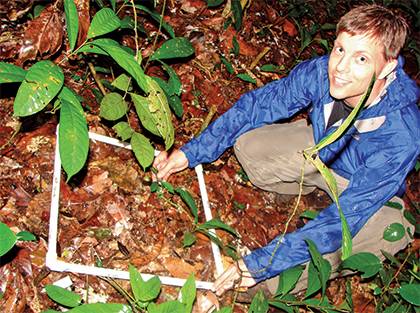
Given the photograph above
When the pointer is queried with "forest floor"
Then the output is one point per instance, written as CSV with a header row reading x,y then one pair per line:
x,y
108,212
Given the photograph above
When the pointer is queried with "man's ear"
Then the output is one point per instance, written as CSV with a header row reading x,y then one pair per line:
x,y
388,68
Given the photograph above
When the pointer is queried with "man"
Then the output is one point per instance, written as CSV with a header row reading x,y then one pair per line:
x,y
370,162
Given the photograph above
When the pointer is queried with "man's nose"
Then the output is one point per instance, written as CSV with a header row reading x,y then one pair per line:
x,y
343,64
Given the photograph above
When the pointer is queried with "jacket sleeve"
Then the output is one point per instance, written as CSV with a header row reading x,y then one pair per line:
x,y
370,187
277,100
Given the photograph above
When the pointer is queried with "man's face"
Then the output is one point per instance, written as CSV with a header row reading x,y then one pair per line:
x,y
352,63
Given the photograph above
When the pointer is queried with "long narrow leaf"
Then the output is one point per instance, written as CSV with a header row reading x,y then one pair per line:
x,y
216,223
10,73
323,266
72,22
188,199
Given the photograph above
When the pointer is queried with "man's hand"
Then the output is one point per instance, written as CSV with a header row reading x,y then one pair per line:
x,y
166,166
235,276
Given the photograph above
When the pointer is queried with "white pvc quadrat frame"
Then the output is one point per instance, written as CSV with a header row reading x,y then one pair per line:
x,y
55,264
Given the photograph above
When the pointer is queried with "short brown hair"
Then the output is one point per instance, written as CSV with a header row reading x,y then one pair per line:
x,y
379,23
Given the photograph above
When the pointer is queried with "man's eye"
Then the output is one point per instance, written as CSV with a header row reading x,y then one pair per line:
x,y
339,50
362,59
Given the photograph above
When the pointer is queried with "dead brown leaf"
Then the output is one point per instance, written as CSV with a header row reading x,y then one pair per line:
x,y
43,35
84,19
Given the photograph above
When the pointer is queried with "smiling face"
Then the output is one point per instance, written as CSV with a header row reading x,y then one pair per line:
x,y
352,63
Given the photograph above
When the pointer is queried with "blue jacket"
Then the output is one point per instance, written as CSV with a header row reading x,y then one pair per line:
x,y
375,154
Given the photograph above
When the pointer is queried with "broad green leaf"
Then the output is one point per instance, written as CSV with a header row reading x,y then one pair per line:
x,y
394,205
349,296
101,308
391,258
188,293
154,186
72,22
214,3
411,293
7,239
237,13
322,304
228,65
396,308
105,21
314,283
288,280
417,167
63,296
143,150
309,214
143,291
50,311
322,265
246,77
364,262
259,303
167,307
124,130
42,83
178,47
189,239
216,223
158,18
174,101
124,59
188,199
410,217
394,232
113,106
174,83
122,82
38,9
73,134
10,73
154,112
25,236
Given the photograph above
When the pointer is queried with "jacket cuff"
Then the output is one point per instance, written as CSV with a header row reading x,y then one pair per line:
x,y
192,162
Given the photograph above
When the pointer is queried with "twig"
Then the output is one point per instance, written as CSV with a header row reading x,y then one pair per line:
x,y
259,57
12,137
207,120
97,80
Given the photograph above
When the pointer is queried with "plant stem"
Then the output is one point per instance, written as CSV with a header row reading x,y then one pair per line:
x,y
136,37
97,80
16,131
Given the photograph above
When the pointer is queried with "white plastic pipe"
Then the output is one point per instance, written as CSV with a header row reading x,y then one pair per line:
x,y
53,263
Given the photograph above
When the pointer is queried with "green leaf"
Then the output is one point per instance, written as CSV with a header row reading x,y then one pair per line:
x,y
235,45
188,199
288,280
168,186
25,236
309,214
314,283
101,308
246,77
214,3
42,83
394,232
391,258
364,262
7,239
178,47
282,306
174,83
113,106
143,291
63,296
154,112
410,217
189,239
411,293
113,4
259,303
228,65
272,68
38,9
124,130
143,150
10,73
322,265
396,308
124,59
122,82
216,223
176,105
167,307
154,186
188,293
73,134
72,22
158,18
417,167
105,21
237,13
394,205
